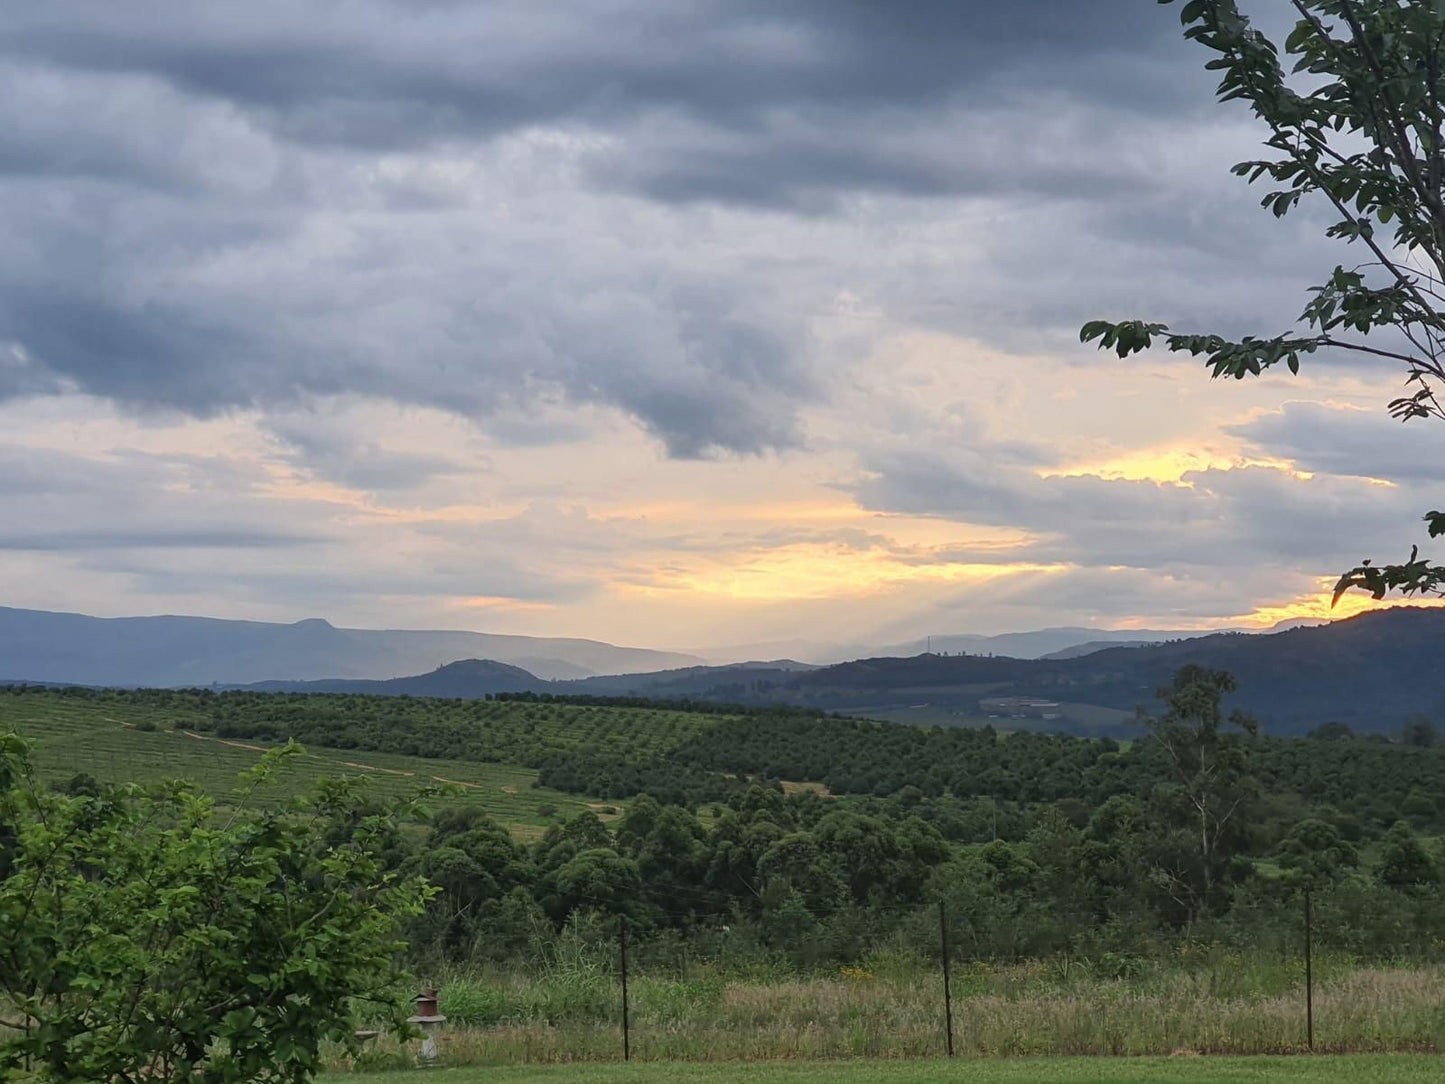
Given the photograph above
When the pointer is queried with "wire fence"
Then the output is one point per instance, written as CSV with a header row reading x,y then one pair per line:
x,y
924,994
945,958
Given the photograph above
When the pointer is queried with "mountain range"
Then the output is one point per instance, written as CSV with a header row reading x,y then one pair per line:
x,y
37,645
1373,672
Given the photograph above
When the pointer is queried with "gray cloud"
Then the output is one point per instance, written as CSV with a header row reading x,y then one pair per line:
x,y
335,451
61,502
203,308
1330,440
1236,519
393,74
99,538
162,522
215,207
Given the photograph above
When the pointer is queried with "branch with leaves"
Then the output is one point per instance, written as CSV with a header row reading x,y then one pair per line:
x,y
1357,121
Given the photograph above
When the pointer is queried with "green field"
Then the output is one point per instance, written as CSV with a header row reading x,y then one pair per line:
x,y
1365,1069
70,736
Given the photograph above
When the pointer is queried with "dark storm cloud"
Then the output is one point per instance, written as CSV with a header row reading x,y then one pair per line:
x,y
218,206
379,74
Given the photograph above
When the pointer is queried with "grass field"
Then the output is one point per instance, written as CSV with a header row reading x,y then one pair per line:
x,y
103,739
569,1014
1362,1069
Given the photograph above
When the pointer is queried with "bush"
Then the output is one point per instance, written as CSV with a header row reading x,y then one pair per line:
x,y
142,931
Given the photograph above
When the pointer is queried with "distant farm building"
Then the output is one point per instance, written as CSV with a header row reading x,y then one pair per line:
x,y
1021,707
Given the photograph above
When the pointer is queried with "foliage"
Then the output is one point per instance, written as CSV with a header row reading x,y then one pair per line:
x,y
1044,845
1403,862
1316,853
1358,121
146,938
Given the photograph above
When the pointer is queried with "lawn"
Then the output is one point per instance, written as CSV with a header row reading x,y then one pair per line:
x,y
1370,1068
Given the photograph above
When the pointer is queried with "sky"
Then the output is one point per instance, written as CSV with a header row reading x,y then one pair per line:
x,y
685,324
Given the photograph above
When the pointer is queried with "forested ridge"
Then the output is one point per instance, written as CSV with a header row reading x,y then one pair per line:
x,y
1362,671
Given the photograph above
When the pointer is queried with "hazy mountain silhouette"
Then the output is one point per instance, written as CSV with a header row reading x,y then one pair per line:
x,y
37,645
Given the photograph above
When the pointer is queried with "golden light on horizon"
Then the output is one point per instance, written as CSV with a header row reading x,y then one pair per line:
x,y
500,602
1168,465
1318,607
822,571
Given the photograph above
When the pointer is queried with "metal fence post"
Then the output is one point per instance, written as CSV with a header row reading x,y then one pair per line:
x,y
626,1029
947,983
1309,974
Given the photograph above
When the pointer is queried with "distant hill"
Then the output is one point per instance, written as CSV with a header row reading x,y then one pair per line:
x,y
466,679
1038,643
1041,643
37,645
1078,651
1373,672
471,679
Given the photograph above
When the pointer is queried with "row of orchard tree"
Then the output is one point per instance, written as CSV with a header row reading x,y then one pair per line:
x,y
1202,850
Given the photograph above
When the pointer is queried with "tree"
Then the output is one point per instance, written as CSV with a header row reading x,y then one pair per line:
x,y
1403,862
474,864
1209,767
150,937
1359,122
1316,853
1419,732
599,878
1331,732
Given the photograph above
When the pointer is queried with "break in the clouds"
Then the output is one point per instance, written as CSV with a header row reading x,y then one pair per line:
x,y
686,323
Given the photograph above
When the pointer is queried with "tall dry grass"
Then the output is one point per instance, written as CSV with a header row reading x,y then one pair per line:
x,y
1032,1009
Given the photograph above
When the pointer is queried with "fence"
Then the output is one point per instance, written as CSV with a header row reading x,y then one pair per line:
x,y
946,983
619,1004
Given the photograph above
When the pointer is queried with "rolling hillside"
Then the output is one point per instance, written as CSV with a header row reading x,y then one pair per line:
x,y
133,739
